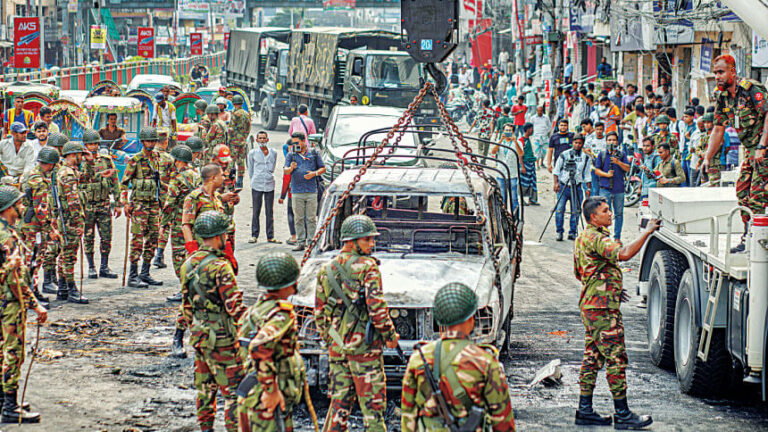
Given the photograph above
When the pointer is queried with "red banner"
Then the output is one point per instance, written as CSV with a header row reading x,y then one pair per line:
x,y
147,42
226,40
196,43
26,42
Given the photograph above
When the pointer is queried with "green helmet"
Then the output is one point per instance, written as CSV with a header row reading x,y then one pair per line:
x,y
182,153
708,117
454,304
9,195
148,133
212,223
57,139
48,155
276,271
237,100
91,136
357,226
662,119
201,105
212,109
73,147
195,144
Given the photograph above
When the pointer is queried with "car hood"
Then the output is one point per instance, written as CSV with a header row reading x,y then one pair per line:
x,y
413,281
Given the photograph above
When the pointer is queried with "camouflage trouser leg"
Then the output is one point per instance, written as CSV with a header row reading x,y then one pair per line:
x,y
68,256
352,381
217,370
101,219
604,343
51,253
181,323
238,157
144,227
162,236
179,253
744,183
13,325
261,421
29,237
758,196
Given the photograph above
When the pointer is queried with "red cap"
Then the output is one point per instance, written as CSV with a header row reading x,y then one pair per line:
x,y
760,220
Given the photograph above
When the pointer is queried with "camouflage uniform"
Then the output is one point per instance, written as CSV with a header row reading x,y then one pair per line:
x,y
214,309
672,170
203,126
715,165
95,190
39,217
670,139
595,261
217,134
240,127
139,176
746,113
482,384
182,183
167,171
67,187
356,368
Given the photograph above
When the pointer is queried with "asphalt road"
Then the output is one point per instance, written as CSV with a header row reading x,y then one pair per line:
x,y
105,366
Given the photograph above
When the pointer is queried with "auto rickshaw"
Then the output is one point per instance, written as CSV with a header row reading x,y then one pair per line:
x,y
186,116
70,117
130,116
105,88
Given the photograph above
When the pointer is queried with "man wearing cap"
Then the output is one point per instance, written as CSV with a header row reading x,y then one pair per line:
x,y
165,116
573,168
73,217
196,145
167,169
18,114
16,153
222,157
239,129
469,375
356,362
664,137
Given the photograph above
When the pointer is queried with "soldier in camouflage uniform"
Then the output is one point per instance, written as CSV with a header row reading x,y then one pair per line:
x,y
715,167
596,264
167,171
272,356
217,133
142,176
196,145
67,179
469,375
17,298
98,180
741,103
212,305
222,157
56,141
663,136
203,123
240,128
356,363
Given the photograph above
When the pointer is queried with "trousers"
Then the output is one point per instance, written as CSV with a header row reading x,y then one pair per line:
x,y
268,200
603,344
352,381
305,213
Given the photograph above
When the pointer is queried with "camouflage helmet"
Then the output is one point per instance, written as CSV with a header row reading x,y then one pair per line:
x,y
357,226
662,119
276,271
9,196
91,136
212,109
72,148
237,100
708,117
57,139
201,105
454,304
148,133
182,153
578,136
212,223
195,144
48,155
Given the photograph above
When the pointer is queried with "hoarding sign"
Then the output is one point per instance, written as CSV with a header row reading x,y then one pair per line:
x,y
196,43
26,42
98,37
146,42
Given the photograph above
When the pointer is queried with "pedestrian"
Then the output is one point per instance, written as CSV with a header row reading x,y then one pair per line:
x,y
572,170
17,298
164,115
16,153
46,115
98,182
285,191
484,121
596,265
666,95
18,114
217,133
40,130
628,100
273,353
528,181
142,177
302,123
240,128
604,69
542,127
261,172
501,87
638,128
560,100
558,143
529,92
568,71
469,375
670,169
508,151
610,166
71,223
611,115
222,157
353,359
304,165
689,139
213,301
511,93
648,167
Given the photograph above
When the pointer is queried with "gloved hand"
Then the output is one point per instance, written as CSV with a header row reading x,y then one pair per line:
x,y
230,254
191,246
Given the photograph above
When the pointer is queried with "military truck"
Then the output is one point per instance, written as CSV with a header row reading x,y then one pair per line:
x,y
706,306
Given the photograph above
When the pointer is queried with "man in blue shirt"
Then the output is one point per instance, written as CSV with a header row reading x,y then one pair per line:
x,y
304,166
604,69
649,164
558,143
610,166
568,71
571,163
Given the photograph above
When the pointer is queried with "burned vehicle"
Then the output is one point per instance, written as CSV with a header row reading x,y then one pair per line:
x,y
424,243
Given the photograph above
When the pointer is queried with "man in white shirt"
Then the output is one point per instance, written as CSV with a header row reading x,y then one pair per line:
x,y
465,77
542,127
261,171
46,115
16,153
41,132
501,87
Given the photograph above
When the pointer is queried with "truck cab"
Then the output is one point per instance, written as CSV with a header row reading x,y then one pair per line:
x,y
275,102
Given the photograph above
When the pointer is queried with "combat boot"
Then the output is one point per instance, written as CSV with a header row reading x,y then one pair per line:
x,y
49,284
145,277
624,419
92,273
586,415
178,345
39,296
63,292
104,270
133,277
12,413
159,260
76,296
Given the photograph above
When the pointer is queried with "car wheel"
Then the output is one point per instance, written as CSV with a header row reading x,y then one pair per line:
x,y
666,271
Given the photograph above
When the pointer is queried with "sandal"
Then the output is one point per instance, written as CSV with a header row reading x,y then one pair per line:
x,y
272,240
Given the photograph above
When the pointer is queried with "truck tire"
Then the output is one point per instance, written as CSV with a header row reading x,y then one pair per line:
x,y
696,377
503,343
267,115
666,270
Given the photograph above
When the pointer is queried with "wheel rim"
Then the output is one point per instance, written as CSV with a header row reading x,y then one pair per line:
x,y
654,308
684,333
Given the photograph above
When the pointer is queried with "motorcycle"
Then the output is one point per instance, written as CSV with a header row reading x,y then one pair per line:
x,y
461,107
633,184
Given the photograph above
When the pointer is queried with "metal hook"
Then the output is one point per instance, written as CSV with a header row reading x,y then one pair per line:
x,y
441,82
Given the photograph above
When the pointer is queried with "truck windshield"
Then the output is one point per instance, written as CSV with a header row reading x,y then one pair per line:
x,y
391,72
282,64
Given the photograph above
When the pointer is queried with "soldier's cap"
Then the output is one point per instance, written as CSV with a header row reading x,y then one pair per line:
x,y
201,104
182,153
212,109
72,148
221,101
195,144
357,226
454,303
212,223
662,119
237,100
276,271
9,196
222,153
18,127
708,117
57,139
148,133
48,155
91,136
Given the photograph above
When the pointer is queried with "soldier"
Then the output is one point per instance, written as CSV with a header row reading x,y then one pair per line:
x,y
167,170
741,103
221,156
196,145
56,141
142,176
240,128
98,181
17,298
349,295
715,164
596,264
468,375
664,137
203,123
212,303
217,133
272,356
73,217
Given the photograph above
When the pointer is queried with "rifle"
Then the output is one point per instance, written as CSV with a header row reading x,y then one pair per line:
x,y
59,208
30,210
